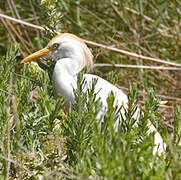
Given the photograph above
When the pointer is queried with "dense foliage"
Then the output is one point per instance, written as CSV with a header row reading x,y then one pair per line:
x,y
41,138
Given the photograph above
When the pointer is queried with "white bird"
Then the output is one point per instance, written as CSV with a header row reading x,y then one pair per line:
x,y
72,56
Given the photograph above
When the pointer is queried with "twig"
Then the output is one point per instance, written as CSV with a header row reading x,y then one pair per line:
x,y
132,54
19,36
4,21
24,30
11,8
138,66
22,22
9,31
17,31
100,45
158,95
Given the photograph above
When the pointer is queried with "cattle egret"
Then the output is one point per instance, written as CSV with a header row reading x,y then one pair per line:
x,y
72,55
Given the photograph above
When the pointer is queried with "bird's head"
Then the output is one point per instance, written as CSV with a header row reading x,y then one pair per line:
x,y
65,45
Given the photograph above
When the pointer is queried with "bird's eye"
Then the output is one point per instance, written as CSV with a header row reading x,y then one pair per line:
x,y
54,46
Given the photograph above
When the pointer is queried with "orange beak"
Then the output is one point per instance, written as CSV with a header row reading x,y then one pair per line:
x,y
36,55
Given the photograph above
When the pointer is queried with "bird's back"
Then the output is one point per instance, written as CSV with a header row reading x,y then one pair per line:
x,y
103,89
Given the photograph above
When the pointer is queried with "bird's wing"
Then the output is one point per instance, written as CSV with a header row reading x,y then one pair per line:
x,y
102,90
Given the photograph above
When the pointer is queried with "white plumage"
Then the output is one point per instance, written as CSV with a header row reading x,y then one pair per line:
x,y
73,55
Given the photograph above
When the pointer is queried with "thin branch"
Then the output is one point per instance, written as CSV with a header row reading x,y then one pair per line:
x,y
170,98
132,54
10,31
138,67
100,45
19,36
19,29
22,22
11,8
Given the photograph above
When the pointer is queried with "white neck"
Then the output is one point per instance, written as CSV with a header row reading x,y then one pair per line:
x,y
65,78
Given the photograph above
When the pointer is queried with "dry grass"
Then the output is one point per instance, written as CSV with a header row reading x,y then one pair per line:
x,y
145,34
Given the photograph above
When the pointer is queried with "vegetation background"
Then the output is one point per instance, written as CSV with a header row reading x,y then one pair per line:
x,y
39,140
